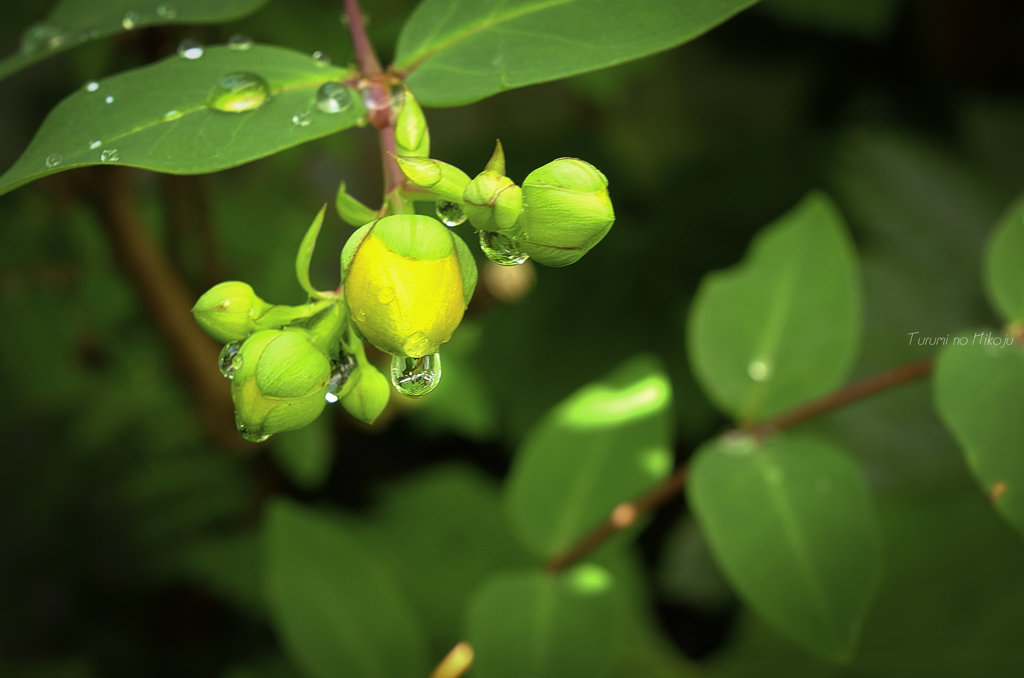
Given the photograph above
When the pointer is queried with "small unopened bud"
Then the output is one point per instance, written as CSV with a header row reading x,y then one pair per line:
x,y
228,311
492,202
412,137
368,397
443,180
567,211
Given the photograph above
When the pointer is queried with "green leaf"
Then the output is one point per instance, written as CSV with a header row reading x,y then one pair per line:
x,y
305,254
74,22
459,52
533,623
979,393
792,526
782,326
1004,272
228,566
141,125
335,609
605,444
305,455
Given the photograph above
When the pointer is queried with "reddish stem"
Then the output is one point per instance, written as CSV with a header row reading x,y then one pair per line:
x,y
366,57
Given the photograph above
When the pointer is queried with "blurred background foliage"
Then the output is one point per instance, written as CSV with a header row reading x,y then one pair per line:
x,y
128,540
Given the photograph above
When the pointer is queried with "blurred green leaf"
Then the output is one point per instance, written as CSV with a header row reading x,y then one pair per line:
x,y
336,610
460,51
306,455
979,393
271,665
1004,264
782,326
866,18
791,523
74,22
534,623
229,566
157,117
605,444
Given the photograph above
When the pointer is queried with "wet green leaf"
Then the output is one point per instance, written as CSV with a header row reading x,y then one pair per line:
x,y
1004,264
782,326
605,444
461,51
790,522
337,611
533,623
74,22
158,117
979,393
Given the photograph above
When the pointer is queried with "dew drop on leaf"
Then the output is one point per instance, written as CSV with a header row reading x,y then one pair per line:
x,y
130,20
333,97
190,49
321,58
53,160
92,86
166,11
450,213
109,100
415,377
229,360
93,145
110,155
41,36
502,249
238,92
341,370
240,42
302,119
758,370
172,114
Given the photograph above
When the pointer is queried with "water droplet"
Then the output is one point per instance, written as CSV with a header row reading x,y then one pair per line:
x,y
166,11
415,377
758,370
53,160
93,145
190,49
110,155
386,295
450,213
239,92
41,36
502,249
321,59
302,119
251,436
109,100
92,86
341,370
229,359
173,114
130,20
333,97
240,42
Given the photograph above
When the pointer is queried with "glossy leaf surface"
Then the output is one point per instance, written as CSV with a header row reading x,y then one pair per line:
x,y
791,524
605,444
782,326
460,51
157,117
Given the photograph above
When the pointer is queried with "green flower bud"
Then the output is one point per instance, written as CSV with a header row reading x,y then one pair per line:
x,y
567,211
228,311
279,383
443,180
412,137
492,202
408,280
369,395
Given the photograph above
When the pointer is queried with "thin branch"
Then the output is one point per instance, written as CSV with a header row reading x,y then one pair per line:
x,y
366,57
627,513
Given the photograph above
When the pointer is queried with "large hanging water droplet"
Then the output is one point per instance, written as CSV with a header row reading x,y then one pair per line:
x,y
92,86
238,92
251,436
110,155
190,49
240,42
130,20
229,359
41,36
302,119
321,59
341,370
415,377
53,160
333,97
502,249
450,213
166,11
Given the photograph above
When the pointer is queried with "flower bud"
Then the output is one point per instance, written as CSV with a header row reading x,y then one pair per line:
x,y
411,134
368,396
407,281
492,202
279,383
228,311
443,180
567,211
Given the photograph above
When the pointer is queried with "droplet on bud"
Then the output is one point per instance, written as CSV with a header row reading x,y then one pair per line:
x,y
758,370
240,42
251,436
415,377
190,49
334,97
341,370
502,249
450,213
229,360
